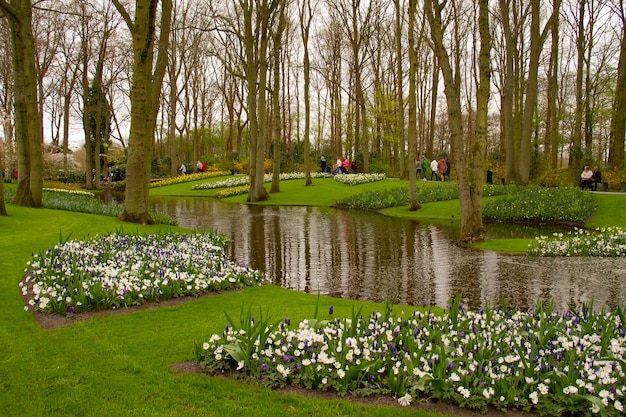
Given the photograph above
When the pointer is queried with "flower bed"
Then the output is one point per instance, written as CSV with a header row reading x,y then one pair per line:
x,y
245,180
609,242
356,179
550,363
188,178
120,270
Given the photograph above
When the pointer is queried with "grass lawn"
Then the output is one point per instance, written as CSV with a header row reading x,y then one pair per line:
x,y
120,365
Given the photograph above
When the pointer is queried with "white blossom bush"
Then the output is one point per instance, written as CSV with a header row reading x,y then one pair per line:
x,y
549,363
605,242
120,270
356,179
245,180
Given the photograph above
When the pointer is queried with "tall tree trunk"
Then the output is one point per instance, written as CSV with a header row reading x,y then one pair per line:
x,y
470,185
576,151
144,98
537,39
412,127
277,119
400,87
618,117
306,16
507,94
28,125
3,209
552,124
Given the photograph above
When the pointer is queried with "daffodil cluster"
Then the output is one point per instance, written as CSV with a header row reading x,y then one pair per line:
x,y
120,270
542,361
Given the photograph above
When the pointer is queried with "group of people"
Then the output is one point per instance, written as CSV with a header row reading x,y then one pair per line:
x,y
590,179
439,168
342,166
200,167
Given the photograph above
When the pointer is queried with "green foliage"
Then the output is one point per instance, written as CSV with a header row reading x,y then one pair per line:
x,y
542,204
83,202
427,192
561,177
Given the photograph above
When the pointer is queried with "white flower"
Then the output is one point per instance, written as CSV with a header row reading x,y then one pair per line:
x,y
341,373
240,365
405,399
205,346
595,408
283,371
454,377
570,390
618,405
534,397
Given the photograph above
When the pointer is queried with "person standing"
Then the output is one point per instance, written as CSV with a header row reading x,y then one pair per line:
x,y
338,166
447,168
424,167
323,163
418,169
442,167
346,165
596,177
434,167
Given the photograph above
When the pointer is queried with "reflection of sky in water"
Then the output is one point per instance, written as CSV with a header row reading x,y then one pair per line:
x,y
368,256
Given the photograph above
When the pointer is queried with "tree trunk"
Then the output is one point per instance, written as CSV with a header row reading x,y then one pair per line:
x,y
306,16
3,209
412,128
28,126
277,124
399,87
470,185
618,118
144,97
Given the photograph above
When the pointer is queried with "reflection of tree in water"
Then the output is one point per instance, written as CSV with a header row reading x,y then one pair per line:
x,y
368,256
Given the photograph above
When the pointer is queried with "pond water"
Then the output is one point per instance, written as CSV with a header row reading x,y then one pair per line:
x,y
368,256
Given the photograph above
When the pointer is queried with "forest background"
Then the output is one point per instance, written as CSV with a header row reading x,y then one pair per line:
x,y
331,78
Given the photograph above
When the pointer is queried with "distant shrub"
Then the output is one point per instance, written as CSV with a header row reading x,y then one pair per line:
x,y
542,204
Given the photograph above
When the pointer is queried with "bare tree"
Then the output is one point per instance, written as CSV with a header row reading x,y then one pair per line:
x,y
306,16
28,124
469,172
146,88
618,122
412,128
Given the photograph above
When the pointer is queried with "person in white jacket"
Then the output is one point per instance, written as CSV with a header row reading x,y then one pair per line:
x,y
434,167
585,178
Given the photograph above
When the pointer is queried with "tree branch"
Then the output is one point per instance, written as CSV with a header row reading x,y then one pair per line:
x,y
120,8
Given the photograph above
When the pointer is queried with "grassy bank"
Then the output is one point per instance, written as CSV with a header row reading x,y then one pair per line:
x,y
120,365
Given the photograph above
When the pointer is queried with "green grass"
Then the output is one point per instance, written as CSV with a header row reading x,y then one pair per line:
x,y
120,365
324,192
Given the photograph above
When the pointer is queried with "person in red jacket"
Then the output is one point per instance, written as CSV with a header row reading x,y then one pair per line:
x,y
442,167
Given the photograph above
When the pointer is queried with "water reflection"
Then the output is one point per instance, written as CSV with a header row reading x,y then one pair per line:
x,y
367,256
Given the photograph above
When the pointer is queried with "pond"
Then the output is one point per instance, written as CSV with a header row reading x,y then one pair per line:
x,y
369,256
